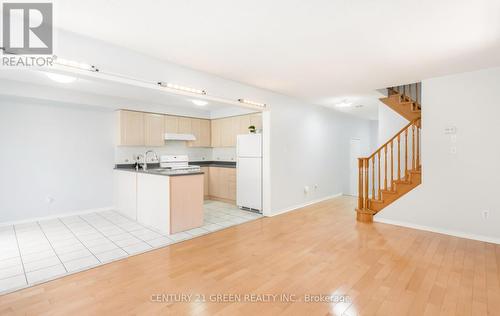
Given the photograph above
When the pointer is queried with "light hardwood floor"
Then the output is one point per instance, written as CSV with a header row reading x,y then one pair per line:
x,y
321,249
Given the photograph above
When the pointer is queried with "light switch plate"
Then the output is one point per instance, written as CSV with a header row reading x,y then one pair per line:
x,y
450,130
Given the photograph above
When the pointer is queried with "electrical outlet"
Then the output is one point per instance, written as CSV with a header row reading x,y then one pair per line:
x,y
486,214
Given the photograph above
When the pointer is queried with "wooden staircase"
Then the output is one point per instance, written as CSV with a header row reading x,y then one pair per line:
x,y
394,169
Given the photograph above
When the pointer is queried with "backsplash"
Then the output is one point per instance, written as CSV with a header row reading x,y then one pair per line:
x,y
128,154
224,154
125,155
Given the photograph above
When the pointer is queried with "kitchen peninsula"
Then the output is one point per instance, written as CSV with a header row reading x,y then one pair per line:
x,y
168,200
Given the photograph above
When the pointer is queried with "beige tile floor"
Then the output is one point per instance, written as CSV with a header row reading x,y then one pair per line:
x,y
39,251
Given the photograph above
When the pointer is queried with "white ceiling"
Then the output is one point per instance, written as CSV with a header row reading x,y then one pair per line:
x,y
36,84
318,50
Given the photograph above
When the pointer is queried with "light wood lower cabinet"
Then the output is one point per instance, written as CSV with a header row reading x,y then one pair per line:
x,y
186,210
205,181
222,184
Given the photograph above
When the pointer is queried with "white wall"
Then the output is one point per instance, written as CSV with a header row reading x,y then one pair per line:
x,y
374,144
311,145
389,123
457,187
63,152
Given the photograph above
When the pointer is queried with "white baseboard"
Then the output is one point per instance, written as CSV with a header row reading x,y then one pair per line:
x,y
295,207
438,230
53,216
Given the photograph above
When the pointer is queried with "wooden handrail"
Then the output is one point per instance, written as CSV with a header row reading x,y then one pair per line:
x,y
393,138
377,176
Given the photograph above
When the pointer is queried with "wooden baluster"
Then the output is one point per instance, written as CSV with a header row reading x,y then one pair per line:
x,y
399,157
379,184
366,183
414,166
373,177
392,163
360,184
406,153
418,93
385,168
418,147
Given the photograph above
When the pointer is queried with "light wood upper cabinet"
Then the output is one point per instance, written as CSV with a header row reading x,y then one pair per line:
x,y
154,129
225,130
205,133
130,128
148,129
196,131
184,125
216,133
200,128
171,124
256,120
244,122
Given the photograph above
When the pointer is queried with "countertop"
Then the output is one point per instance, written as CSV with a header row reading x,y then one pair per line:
x,y
152,169
221,164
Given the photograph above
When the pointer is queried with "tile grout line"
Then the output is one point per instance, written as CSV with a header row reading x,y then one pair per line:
x,y
127,231
73,233
115,225
103,235
20,256
52,247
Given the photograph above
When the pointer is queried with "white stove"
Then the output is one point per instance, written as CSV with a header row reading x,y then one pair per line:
x,y
177,163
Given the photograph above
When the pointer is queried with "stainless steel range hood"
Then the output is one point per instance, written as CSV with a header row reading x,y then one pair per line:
x,y
174,136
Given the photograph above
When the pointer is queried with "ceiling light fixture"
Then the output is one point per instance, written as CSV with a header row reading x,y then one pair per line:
x,y
60,78
262,105
343,104
181,88
199,102
75,64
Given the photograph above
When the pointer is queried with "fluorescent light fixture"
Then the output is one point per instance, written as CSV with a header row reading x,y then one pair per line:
x,y
181,88
75,64
199,102
343,104
262,105
60,78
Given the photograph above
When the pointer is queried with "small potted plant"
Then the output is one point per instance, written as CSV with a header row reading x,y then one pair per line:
x,y
251,129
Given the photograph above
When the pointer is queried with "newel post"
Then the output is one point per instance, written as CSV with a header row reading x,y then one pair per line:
x,y
360,183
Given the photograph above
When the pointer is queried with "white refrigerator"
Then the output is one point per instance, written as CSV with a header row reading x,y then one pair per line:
x,y
249,172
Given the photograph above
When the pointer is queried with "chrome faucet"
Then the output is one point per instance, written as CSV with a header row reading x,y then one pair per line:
x,y
145,165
